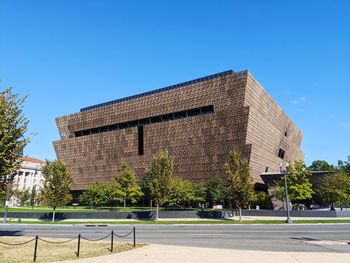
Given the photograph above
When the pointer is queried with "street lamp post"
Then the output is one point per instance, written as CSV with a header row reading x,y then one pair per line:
x,y
284,171
4,220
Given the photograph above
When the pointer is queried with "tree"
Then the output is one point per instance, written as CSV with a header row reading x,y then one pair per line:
x,y
95,194
200,192
13,126
23,196
40,199
57,184
159,175
127,180
277,191
145,187
319,165
344,166
262,199
99,194
240,188
3,193
298,183
32,197
115,193
215,191
335,189
182,192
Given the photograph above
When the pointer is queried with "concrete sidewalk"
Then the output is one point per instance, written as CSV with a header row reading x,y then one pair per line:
x,y
293,218
172,254
244,218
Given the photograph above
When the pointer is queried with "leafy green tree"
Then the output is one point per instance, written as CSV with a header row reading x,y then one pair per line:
x,y
182,192
115,193
299,186
262,199
298,183
215,191
57,184
3,194
319,165
32,197
240,188
95,194
145,187
40,199
277,191
335,189
344,166
127,180
103,194
13,126
200,192
23,196
159,176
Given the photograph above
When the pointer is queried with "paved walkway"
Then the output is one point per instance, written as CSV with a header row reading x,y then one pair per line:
x,y
172,254
293,218
256,218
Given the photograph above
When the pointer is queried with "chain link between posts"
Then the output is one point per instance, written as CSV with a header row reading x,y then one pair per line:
x,y
37,238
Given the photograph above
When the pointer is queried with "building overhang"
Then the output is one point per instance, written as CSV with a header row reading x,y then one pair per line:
x,y
271,179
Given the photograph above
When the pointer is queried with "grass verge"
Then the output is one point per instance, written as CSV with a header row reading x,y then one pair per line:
x,y
48,252
78,209
85,209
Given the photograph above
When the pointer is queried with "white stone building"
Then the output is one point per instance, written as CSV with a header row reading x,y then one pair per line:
x,y
28,177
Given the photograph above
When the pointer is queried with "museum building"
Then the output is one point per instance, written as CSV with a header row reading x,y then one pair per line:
x,y
198,121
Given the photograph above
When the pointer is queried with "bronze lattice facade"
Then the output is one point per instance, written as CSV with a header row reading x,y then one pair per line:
x,y
199,122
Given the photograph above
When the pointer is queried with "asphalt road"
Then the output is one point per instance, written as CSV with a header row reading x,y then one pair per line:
x,y
308,238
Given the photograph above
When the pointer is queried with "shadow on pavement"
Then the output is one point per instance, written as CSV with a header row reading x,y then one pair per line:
x,y
305,239
10,233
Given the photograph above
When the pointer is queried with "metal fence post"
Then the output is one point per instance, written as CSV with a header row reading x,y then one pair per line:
x,y
112,234
78,250
134,237
35,247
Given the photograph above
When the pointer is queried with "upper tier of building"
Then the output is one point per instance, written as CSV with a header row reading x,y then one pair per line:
x,y
144,94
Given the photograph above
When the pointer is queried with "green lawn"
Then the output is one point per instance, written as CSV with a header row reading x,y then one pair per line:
x,y
75,209
147,222
45,209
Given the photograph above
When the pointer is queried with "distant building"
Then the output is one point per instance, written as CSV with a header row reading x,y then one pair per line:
x,y
199,122
27,177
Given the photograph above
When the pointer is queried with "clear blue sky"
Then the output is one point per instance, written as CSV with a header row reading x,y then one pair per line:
x,y
73,54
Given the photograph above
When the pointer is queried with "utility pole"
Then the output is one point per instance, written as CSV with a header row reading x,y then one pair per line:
x,y
284,170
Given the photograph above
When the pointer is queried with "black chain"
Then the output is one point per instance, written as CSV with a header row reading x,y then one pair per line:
x,y
17,244
122,236
88,239
57,242
66,241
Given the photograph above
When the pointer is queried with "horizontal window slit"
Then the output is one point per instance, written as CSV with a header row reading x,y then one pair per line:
x,y
146,121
